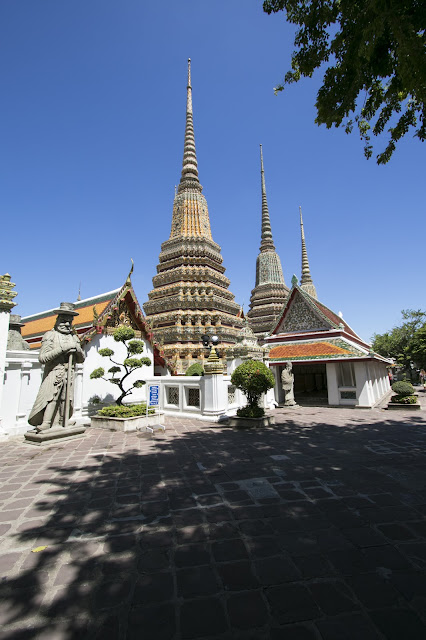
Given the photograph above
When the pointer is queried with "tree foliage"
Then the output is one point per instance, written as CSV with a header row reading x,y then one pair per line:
x,y
253,378
406,343
375,64
124,335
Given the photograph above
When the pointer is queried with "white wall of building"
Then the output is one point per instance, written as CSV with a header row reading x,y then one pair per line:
x,y
106,391
22,378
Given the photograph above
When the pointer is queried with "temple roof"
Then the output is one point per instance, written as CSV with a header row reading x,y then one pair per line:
x,y
37,324
308,330
98,314
314,350
313,315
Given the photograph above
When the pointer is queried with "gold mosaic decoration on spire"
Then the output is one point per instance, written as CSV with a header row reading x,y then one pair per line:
x,y
190,295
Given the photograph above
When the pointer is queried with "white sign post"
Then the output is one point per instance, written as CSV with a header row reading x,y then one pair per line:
x,y
153,400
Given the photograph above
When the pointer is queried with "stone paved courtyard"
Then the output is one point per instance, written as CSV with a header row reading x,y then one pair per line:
x,y
314,529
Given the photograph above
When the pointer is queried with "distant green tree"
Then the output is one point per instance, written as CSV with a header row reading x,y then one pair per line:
x,y
119,373
374,61
406,343
195,369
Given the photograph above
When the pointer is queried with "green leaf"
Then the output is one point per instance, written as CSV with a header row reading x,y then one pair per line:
x,y
97,373
105,352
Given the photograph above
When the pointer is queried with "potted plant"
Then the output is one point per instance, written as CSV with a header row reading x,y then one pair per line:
x,y
253,378
404,397
119,416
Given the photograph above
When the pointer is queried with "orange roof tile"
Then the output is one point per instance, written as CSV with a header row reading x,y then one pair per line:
x,y
306,350
39,326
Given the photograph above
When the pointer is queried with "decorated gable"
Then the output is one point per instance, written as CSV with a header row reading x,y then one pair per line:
x,y
300,315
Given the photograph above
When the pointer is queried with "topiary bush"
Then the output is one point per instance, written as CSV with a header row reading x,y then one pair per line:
x,y
195,369
403,388
253,379
130,363
404,393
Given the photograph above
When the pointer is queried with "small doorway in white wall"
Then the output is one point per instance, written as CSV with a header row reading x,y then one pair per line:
x,y
310,383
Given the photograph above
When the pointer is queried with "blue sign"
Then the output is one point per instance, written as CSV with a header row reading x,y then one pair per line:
x,y
154,395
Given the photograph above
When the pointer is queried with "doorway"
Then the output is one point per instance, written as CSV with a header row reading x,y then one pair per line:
x,y
310,384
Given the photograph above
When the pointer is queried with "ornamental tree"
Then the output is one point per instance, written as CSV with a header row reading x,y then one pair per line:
x,y
253,378
372,55
119,372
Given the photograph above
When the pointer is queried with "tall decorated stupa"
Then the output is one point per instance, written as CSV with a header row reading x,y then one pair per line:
x,y
190,295
270,291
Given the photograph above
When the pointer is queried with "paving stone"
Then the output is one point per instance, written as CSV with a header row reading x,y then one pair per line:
x,y
237,576
112,593
158,621
153,560
263,546
276,570
349,562
229,550
399,623
333,597
199,618
291,603
192,533
223,530
349,627
386,556
190,555
247,610
364,537
396,531
8,561
314,566
155,587
373,590
196,581
293,632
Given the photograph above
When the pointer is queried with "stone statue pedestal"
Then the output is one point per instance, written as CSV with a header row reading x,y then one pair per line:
x,y
55,434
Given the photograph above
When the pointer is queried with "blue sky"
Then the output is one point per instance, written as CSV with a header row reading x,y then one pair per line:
x,y
92,123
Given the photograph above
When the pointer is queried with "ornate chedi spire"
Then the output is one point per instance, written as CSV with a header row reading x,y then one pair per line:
x,y
306,282
190,295
270,291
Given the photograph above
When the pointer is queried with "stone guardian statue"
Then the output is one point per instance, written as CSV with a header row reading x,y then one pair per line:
x,y
60,351
287,383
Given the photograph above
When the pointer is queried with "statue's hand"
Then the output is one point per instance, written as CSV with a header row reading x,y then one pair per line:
x,y
72,350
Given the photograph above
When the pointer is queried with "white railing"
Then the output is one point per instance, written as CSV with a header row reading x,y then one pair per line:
x,y
204,397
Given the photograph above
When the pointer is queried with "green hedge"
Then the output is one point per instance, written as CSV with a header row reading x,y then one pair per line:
x,y
404,399
125,411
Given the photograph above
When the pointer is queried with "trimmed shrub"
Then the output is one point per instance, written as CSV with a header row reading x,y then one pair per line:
x,y
195,369
253,378
125,410
404,399
251,412
402,388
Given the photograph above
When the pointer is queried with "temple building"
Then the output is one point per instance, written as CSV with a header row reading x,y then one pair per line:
x,y
270,291
190,295
332,365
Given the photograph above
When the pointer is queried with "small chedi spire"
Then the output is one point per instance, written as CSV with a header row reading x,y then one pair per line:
x,y
270,291
306,282
190,212
189,178
267,243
